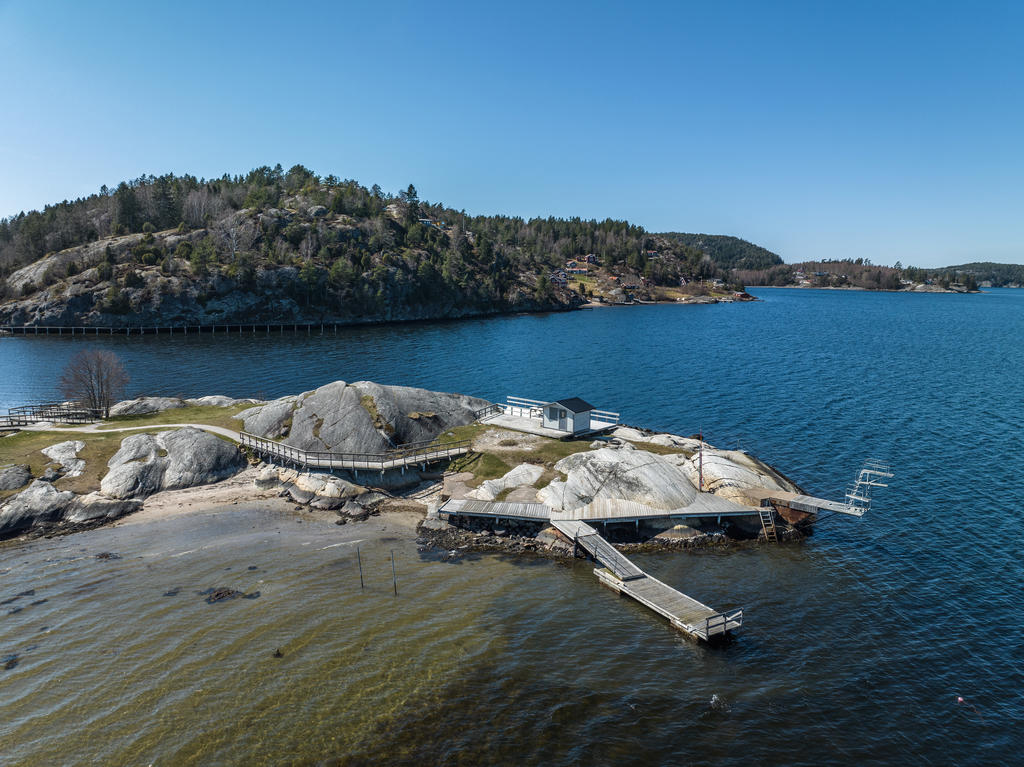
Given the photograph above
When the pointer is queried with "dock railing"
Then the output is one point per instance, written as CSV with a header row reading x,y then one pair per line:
x,y
723,622
399,458
488,411
56,412
604,416
521,407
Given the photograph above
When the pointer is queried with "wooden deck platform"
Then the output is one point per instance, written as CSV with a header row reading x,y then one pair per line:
x,y
800,502
603,510
535,426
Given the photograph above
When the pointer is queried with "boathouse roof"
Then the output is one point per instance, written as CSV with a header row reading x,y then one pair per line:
x,y
574,404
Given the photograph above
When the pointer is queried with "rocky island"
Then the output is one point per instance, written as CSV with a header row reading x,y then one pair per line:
x,y
56,478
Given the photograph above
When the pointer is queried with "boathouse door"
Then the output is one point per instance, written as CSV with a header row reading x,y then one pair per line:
x,y
563,424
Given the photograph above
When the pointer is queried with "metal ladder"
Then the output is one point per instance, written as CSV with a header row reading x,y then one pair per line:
x,y
767,515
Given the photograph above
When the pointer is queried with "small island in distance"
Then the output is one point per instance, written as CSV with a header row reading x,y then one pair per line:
x,y
294,247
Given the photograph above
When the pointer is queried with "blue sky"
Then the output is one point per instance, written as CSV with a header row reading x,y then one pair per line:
x,y
890,131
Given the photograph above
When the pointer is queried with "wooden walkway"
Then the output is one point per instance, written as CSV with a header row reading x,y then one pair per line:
x,y
586,537
620,574
617,571
400,458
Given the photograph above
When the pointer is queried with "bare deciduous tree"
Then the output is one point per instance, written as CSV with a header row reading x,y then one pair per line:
x,y
94,378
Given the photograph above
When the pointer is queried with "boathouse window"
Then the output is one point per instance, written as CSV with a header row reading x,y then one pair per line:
x,y
561,414
552,413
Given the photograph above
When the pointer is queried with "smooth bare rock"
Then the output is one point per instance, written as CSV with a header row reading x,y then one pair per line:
x,y
135,478
148,463
729,473
14,477
631,475
625,432
266,477
66,454
196,457
325,486
355,511
672,440
327,503
137,447
525,474
522,495
39,503
677,533
456,485
553,540
219,400
361,417
270,420
94,507
143,405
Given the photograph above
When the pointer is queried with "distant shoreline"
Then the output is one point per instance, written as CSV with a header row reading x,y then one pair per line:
x,y
860,289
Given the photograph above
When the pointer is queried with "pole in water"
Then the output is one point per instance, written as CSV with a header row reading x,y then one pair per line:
x,y
700,470
394,578
360,560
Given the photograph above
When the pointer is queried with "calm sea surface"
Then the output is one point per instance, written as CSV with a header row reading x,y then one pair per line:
x,y
856,646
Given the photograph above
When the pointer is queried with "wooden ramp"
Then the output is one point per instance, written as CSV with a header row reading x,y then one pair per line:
x,y
620,574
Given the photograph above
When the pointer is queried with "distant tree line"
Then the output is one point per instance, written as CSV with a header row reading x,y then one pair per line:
x,y
859,273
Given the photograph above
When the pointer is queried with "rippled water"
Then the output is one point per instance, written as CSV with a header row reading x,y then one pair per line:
x,y
856,643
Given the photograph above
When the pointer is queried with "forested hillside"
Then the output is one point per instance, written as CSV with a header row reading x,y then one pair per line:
x,y
728,252
989,273
294,246
860,273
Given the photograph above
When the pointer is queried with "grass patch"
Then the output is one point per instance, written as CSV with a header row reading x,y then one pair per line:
x,y
663,449
225,417
484,466
458,433
24,448
552,451
370,406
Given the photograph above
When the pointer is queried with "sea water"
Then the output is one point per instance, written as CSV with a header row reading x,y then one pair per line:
x,y
857,647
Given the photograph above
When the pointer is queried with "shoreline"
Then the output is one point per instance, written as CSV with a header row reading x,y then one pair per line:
x,y
860,289
12,331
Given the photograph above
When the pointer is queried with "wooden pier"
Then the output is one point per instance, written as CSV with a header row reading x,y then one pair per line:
x,y
623,576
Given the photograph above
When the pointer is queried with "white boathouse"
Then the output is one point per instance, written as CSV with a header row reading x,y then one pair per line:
x,y
570,415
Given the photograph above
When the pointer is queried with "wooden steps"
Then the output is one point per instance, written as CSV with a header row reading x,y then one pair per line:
x,y
767,514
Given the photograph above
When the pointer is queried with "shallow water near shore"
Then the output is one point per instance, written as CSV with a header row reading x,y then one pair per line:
x,y
856,644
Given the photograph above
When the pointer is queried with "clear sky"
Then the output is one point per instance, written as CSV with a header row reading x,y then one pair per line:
x,y
888,130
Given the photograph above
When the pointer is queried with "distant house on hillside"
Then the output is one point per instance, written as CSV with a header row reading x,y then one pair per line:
x,y
558,278
577,270
591,258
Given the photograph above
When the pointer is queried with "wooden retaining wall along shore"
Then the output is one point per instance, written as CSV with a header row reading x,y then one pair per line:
x,y
136,330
